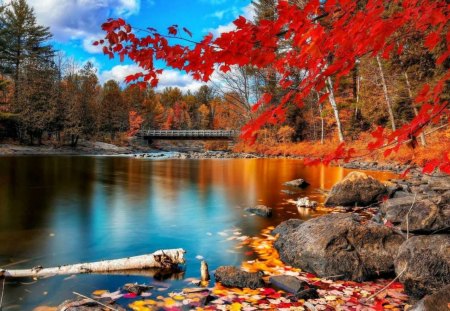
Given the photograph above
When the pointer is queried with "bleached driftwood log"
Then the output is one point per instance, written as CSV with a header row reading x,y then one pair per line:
x,y
159,259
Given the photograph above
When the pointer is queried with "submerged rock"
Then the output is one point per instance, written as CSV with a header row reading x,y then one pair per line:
x,y
356,189
88,305
299,183
136,288
234,277
340,245
424,264
260,210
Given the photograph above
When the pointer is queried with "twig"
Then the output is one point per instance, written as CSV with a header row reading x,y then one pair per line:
x,y
407,217
86,297
387,286
3,291
403,271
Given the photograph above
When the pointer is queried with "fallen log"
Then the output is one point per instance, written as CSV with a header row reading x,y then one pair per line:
x,y
162,259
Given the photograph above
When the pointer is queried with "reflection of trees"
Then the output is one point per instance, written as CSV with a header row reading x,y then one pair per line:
x,y
32,185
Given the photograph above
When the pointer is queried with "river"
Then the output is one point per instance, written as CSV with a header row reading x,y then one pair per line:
x,y
67,209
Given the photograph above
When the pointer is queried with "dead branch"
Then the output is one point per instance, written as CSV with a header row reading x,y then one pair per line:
x,y
162,259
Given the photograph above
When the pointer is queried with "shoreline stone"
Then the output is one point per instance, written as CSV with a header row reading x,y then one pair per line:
x,y
340,245
356,188
233,277
424,264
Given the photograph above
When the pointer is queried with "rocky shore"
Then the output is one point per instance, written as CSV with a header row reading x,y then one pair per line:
x,y
407,238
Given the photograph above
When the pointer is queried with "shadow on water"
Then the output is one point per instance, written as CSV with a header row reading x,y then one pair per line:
x,y
62,209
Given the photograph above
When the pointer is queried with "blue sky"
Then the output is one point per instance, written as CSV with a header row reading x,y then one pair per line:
x,y
75,24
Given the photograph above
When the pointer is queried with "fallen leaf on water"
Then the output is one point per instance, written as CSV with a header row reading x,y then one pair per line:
x,y
130,296
99,292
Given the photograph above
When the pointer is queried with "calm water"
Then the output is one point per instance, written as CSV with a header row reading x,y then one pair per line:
x,y
62,209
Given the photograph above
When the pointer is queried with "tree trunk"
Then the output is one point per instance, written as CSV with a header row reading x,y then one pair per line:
x,y
335,109
386,95
159,259
416,112
322,121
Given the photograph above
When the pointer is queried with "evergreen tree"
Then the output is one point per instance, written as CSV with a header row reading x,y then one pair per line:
x,y
22,40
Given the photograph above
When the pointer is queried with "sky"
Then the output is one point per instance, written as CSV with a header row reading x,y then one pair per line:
x,y
75,24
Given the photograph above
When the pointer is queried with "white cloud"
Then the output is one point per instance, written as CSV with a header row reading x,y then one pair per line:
x,y
80,19
178,79
118,73
248,12
169,78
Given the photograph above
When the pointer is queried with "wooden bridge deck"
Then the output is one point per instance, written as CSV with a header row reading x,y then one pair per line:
x,y
189,134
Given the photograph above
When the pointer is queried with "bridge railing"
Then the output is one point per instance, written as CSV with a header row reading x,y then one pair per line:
x,y
190,133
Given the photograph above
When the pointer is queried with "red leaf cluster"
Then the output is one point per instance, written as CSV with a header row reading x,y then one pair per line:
x,y
326,39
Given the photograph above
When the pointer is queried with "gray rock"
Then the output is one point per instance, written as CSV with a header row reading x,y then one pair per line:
x,y
401,194
136,288
340,245
300,183
260,210
439,301
438,183
287,226
356,189
88,305
234,277
288,283
424,264
425,215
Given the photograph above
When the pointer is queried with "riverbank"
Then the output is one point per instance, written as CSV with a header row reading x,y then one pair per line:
x,y
83,148
141,152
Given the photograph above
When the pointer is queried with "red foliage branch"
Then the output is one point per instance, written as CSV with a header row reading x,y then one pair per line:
x,y
326,39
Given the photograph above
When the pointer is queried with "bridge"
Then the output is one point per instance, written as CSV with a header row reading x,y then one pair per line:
x,y
151,135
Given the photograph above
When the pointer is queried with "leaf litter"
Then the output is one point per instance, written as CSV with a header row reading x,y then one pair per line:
x,y
333,294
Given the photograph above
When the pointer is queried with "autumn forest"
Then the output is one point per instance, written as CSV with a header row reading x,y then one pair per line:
x,y
47,97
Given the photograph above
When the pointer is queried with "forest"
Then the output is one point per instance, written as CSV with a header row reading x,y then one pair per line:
x,y
47,97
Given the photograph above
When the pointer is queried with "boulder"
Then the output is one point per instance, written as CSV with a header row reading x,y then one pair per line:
x,y
287,226
424,264
424,215
234,277
260,210
340,245
436,302
299,183
440,183
356,189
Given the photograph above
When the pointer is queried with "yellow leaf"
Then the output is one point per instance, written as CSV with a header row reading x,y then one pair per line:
x,y
99,292
330,298
169,302
235,307
178,297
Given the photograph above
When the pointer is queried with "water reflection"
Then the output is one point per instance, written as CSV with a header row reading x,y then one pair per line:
x,y
58,210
